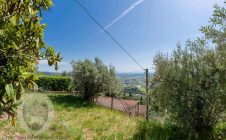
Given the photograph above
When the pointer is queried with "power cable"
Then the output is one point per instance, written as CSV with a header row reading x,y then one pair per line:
x,y
109,34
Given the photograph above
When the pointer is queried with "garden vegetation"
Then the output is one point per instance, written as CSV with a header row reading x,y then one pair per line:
x,y
54,83
95,78
190,84
21,48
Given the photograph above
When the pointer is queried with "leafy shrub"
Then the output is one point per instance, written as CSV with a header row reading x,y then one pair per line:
x,y
190,83
93,78
54,83
190,86
21,47
154,130
220,131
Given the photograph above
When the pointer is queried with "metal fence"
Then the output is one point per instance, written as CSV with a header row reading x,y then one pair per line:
x,y
131,107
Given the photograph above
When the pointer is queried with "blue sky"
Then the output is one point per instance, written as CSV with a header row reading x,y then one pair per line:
x,y
144,27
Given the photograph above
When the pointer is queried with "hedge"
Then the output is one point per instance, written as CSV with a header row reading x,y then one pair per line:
x,y
54,83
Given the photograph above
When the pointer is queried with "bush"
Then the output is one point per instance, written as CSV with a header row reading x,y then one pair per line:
x,y
154,130
91,79
190,87
220,131
190,83
54,83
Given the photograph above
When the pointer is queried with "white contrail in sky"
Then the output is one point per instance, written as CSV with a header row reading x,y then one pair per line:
x,y
127,11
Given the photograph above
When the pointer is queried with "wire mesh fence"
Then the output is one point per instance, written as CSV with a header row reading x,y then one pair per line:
x,y
130,107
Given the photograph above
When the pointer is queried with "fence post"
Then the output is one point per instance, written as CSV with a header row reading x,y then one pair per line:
x,y
147,108
147,103
112,102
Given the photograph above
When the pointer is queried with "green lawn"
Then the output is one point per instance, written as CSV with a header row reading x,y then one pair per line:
x,y
75,119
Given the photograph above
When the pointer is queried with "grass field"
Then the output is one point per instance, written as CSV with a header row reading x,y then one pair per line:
x,y
75,119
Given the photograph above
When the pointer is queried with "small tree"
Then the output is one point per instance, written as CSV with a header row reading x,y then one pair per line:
x,y
94,78
190,83
85,79
115,86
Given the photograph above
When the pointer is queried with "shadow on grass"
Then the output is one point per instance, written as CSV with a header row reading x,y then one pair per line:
x,y
67,101
151,130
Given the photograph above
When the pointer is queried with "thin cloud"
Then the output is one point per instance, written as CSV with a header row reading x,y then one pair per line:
x,y
127,11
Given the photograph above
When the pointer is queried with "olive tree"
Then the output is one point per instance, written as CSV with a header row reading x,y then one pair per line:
x,y
108,81
21,47
190,83
94,78
85,78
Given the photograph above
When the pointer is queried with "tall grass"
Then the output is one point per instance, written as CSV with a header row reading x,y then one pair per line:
x,y
153,130
75,119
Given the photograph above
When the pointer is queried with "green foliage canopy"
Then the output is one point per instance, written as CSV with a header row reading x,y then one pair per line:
x,y
93,78
21,48
54,83
190,83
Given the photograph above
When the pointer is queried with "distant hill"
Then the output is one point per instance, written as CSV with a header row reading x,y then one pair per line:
x,y
133,79
132,75
48,73
121,76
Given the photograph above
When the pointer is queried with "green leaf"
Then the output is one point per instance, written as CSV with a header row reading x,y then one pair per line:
x,y
9,89
32,86
35,86
1,110
17,18
21,88
56,66
30,10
